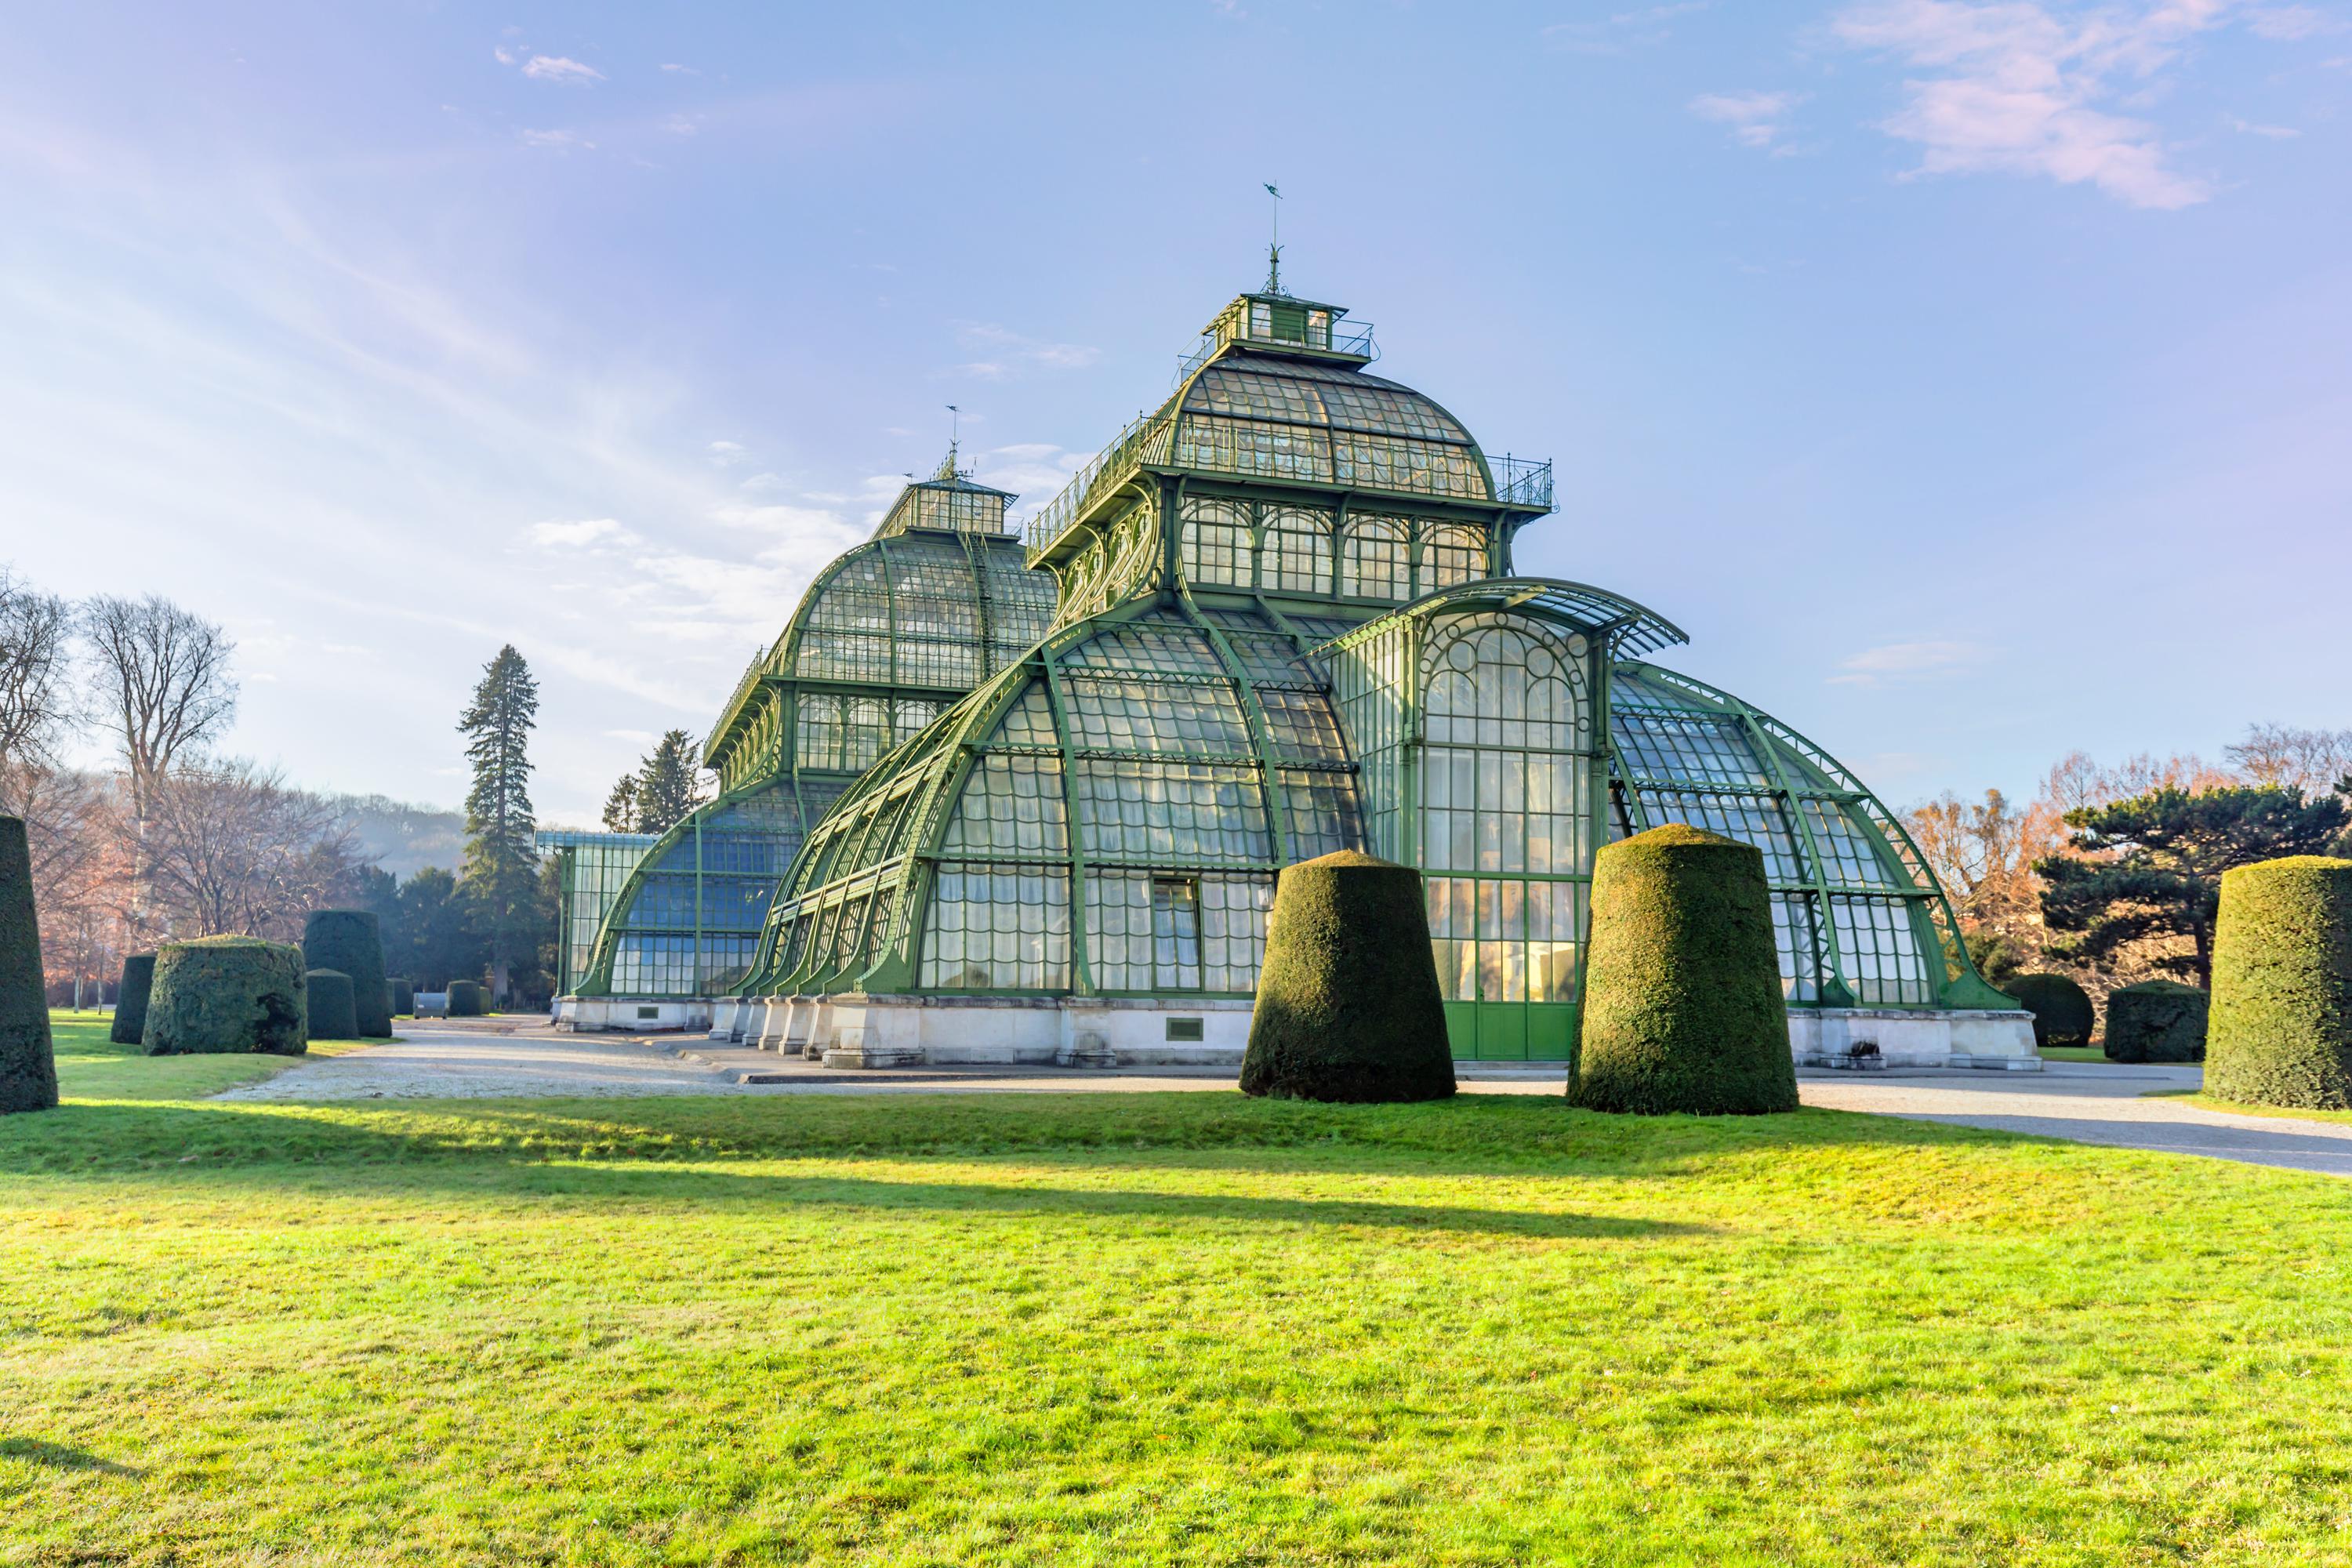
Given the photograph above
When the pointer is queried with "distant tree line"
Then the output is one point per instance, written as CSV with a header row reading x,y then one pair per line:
x,y
2112,874
178,841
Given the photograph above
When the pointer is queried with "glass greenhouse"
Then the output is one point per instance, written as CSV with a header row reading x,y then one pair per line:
x,y
888,636
1274,618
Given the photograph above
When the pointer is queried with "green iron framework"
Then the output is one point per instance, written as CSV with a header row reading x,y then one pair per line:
x,y
890,633
1276,617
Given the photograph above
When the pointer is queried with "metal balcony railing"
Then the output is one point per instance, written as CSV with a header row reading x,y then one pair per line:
x,y
1145,440
742,689
1522,481
1335,337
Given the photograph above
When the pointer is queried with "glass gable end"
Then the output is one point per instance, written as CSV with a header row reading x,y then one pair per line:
x,y
1858,918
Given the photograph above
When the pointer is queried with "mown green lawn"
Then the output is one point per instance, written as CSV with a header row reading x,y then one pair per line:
x,y
92,1067
1184,1328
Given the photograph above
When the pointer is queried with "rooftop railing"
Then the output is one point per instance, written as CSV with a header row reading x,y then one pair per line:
x,y
1519,481
1332,337
742,689
1522,481
1145,440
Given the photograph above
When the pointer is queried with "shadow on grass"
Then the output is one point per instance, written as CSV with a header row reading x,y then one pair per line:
x,y
464,1142
57,1457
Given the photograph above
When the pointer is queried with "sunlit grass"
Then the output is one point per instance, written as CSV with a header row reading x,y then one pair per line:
x,y
92,1067
1184,1328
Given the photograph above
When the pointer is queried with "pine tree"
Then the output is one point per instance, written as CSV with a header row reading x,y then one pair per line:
x,y
666,785
501,872
621,806
2149,869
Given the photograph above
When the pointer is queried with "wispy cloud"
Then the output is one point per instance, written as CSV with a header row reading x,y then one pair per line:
x,y
558,68
1757,118
1008,354
2249,128
1621,31
575,535
1891,663
557,140
726,454
676,69
2285,23
2018,87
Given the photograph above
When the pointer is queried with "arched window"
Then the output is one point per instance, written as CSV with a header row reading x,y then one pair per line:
x,y
1297,552
1216,543
1450,554
910,715
819,745
1372,561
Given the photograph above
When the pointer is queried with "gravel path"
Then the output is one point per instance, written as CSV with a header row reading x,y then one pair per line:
x,y
456,1062
2081,1101
2088,1104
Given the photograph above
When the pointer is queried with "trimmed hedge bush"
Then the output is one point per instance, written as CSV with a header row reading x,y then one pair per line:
x,y
130,999
28,1063
2281,1024
1682,1009
2062,1009
1347,1006
2156,1021
227,994
467,999
350,943
333,1016
402,1000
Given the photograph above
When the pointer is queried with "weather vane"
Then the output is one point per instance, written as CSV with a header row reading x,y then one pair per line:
x,y
1273,250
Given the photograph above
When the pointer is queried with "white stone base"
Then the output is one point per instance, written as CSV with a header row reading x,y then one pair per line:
x,y
857,1031
1908,1038
862,1032
631,1014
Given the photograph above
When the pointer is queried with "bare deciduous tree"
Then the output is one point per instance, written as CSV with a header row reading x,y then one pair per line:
x,y
1983,854
162,673
230,848
35,700
2313,761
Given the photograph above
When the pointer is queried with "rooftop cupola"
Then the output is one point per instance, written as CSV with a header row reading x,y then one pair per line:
x,y
949,502
1272,320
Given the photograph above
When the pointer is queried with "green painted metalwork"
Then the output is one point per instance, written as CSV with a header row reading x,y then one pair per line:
x,y
1283,621
1859,917
890,634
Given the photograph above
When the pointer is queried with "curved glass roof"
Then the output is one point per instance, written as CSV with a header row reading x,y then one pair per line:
x,y
927,611
1859,919
1313,422
889,634
1023,839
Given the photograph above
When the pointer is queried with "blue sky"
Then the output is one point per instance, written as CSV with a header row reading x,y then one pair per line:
x,y
1972,381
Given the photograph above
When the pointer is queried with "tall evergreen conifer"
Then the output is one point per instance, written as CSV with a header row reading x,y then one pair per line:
x,y
666,784
501,872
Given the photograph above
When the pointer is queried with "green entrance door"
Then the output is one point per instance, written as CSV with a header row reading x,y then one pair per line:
x,y
1506,952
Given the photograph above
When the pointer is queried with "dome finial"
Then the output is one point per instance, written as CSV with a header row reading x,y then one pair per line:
x,y
1273,249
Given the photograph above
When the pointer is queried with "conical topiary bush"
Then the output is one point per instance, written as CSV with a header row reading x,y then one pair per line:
x,y
467,999
402,1000
1347,1007
2281,1028
2061,1009
227,994
28,1063
130,1000
350,943
332,1014
1681,1008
